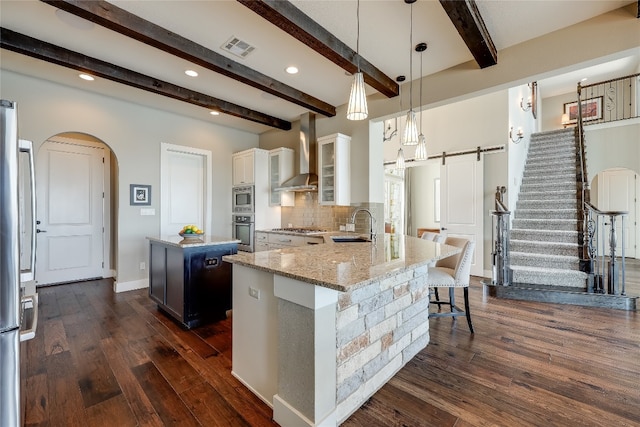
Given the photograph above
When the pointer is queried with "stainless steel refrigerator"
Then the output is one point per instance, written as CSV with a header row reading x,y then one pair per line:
x,y
18,312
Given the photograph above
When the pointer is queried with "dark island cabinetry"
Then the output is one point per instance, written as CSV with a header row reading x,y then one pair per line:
x,y
189,280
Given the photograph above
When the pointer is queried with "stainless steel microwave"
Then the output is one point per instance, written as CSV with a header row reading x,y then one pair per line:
x,y
243,199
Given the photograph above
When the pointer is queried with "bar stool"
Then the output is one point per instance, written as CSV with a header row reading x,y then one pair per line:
x,y
453,272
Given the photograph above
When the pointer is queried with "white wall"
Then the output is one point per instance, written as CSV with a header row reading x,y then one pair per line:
x,y
612,145
134,133
518,119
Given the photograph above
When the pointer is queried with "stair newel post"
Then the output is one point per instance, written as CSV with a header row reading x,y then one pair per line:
x,y
501,268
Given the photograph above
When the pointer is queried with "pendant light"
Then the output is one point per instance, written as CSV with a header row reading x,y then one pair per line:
x,y
421,149
357,108
400,159
410,135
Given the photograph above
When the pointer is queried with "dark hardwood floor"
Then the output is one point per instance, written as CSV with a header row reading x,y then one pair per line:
x,y
105,359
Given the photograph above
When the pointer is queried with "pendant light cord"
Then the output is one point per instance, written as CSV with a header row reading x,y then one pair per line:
x,y
421,93
411,58
358,34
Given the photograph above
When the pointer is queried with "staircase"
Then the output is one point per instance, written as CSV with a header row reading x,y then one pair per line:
x,y
544,249
544,234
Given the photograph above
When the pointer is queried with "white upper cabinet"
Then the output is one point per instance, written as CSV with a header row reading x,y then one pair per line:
x,y
280,170
243,167
335,170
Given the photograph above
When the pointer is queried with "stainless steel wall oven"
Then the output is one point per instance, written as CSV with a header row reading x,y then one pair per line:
x,y
243,230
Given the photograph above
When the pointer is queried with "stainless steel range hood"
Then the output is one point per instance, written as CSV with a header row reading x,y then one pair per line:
x,y
306,180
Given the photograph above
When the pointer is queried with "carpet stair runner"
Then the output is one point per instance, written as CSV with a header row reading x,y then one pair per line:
x,y
544,247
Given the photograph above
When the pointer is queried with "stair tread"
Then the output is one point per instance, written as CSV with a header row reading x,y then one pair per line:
x,y
544,210
545,219
537,255
544,243
559,271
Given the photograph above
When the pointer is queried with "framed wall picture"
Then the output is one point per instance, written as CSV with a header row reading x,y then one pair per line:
x,y
591,110
139,195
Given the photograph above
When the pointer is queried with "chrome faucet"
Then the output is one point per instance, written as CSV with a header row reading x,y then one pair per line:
x,y
372,233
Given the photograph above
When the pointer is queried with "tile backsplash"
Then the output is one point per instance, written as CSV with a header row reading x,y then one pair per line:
x,y
307,212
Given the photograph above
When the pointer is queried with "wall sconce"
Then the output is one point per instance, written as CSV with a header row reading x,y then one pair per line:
x,y
519,135
565,120
388,133
522,104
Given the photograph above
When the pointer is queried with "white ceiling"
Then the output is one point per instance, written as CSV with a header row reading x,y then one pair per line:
x,y
384,41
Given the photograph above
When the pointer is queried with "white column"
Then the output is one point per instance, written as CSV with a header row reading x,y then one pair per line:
x,y
306,354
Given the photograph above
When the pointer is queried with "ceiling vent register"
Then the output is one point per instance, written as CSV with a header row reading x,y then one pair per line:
x,y
238,47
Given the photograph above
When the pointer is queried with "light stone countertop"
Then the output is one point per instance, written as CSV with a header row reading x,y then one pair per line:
x,y
204,240
346,266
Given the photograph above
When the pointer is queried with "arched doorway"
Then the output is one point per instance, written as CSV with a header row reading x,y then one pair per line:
x,y
76,189
616,189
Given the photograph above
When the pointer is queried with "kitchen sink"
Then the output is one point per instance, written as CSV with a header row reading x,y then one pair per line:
x,y
349,239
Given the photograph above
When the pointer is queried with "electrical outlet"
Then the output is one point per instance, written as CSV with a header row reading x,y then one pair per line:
x,y
143,266
351,227
255,293
343,228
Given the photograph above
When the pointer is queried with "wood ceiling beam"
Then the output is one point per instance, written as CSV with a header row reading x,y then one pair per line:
x,y
39,49
466,18
290,19
128,24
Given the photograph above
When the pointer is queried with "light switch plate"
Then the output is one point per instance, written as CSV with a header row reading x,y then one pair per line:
x,y
147,211
351,227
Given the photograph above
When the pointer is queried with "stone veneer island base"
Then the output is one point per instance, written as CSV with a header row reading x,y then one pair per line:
x,y
318,330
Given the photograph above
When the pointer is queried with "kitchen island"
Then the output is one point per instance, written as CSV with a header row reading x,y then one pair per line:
x,y
188,279
319,329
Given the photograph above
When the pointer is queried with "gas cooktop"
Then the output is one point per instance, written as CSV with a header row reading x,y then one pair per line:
x,y
300,230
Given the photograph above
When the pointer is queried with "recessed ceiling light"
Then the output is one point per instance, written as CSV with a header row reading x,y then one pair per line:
x,y
584,79
191,73
292,69
214,113
86,77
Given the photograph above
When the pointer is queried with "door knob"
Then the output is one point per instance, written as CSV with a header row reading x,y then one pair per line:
x,y
40,231
443,229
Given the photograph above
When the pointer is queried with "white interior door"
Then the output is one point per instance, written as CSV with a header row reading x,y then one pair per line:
x,y
70,194
185,188
617,192
461,203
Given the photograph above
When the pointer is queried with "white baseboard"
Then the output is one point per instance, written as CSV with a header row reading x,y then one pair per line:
x,y
286,415
130,286
264,399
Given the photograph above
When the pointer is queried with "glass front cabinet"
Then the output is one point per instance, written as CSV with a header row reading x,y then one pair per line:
x,y
280,170
335,170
